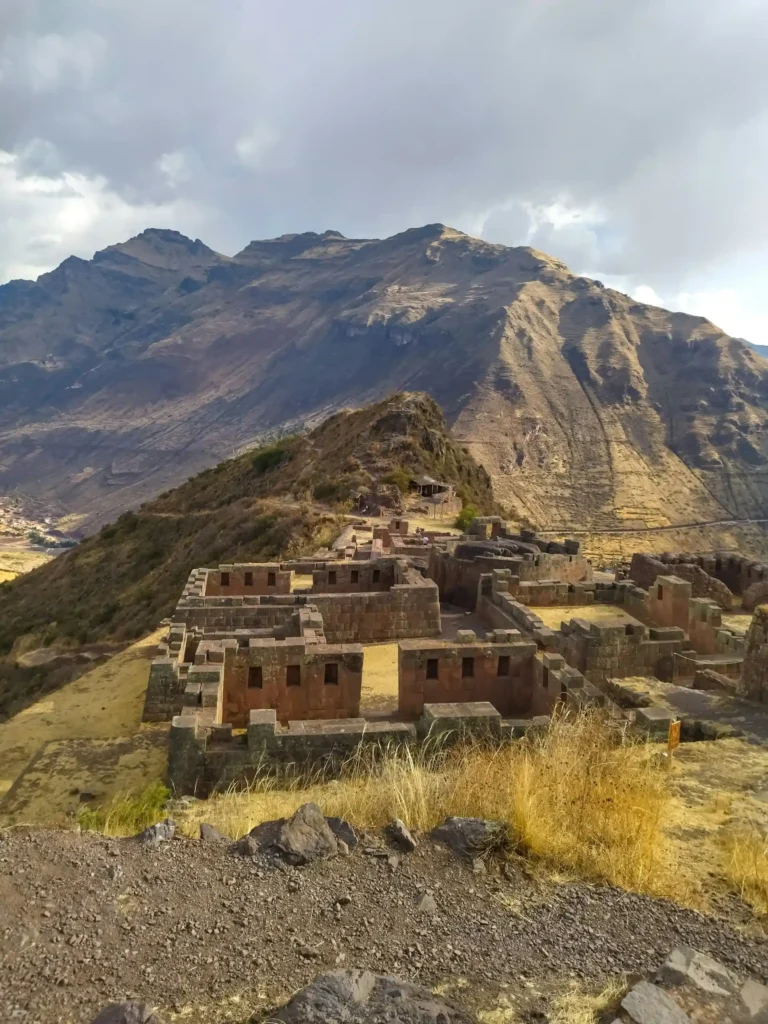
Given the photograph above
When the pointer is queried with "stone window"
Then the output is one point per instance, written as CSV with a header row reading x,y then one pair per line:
x,y
332,577
249,579
659,591
225,579
433,668
355,576
467,668
331,673
376,576
255,677
502,669
271,579
293,675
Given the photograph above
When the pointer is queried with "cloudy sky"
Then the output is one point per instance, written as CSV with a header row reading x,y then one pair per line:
x,y
627,137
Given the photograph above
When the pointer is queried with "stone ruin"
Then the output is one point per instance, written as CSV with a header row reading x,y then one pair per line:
x,y
264,662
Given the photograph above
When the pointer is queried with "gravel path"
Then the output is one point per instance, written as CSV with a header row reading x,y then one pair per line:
x,y
211,936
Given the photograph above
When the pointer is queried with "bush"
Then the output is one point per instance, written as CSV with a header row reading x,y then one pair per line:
x,y
465,517
269,458
400,478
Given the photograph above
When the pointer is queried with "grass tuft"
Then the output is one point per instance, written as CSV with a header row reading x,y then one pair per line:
x,y
747,866
128,814
578,1006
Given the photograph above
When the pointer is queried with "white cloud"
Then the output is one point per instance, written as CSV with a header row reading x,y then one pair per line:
x,y
52,217
175,168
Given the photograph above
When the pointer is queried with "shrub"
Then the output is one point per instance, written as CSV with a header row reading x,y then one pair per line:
x,y
400,478
747,866
465,517
269,458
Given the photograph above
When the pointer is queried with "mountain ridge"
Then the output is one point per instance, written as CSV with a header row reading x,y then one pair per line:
x,y
122,375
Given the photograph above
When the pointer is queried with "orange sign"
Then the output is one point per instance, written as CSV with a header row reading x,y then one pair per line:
x,y
674,735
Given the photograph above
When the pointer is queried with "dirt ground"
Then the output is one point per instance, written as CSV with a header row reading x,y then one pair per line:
x,y
209,936
86,736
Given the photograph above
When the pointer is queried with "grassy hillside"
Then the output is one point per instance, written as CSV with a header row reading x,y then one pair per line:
x,y
276,501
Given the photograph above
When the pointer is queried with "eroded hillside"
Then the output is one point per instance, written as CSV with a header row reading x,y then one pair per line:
x,y
124,374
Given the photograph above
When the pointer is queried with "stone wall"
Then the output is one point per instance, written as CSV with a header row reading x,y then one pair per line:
x,y
644,570
602,651
754,675
355,577
250,579
296,679
203,759
499,673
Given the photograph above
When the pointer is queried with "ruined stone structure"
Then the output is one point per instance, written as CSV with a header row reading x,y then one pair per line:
x,y
259,665
716,575
754,677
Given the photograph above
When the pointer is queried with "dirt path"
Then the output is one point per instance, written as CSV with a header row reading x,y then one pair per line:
x,y
210,936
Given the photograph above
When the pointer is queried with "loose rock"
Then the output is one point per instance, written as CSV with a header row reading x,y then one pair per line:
x,y
162,832
469,836
400,835
360,996
209,834
126,1013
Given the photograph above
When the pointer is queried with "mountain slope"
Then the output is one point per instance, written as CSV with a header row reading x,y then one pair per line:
x,y
587,408
118,584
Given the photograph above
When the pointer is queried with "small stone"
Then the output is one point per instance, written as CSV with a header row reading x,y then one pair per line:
x,y
342,848
478,866
246,847
344,900
209,834
426,905
400,835
393,862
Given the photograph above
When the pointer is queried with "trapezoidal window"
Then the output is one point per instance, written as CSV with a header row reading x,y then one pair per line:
x,y
293,675
354,576
659,591
248,579
255,677
332,577
502,669
376,576
331,673
467,668
271,579
225,579
433,668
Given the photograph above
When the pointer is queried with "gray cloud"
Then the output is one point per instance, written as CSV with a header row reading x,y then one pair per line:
x,y
248,118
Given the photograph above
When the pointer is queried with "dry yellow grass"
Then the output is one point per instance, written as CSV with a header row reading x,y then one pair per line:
x,y
581,797
746,866
553,616
579,1006
379,686
15,561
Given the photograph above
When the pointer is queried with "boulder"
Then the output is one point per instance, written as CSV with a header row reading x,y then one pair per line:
x,y
469,836
306,837
686,966
649,1004
357,997
162,832
126,1013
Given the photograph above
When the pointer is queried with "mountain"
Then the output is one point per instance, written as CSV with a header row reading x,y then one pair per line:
x,y
277,501
762,350
122,375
